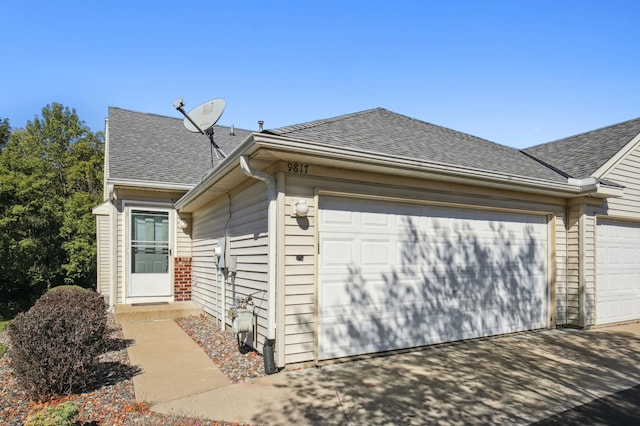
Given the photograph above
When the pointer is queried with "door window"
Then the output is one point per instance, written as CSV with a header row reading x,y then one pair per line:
x,y
149,242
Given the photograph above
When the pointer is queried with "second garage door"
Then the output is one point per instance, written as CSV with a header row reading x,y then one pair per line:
x,y
398,275
618,271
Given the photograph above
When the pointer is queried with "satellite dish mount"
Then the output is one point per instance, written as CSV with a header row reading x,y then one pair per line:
x,y
202,118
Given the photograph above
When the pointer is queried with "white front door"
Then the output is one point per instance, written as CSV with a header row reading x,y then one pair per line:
x,y
150,254
394,275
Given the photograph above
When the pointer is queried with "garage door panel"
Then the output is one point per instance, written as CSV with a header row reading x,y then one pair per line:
x,y
338,218
376,253
337,253
424,274
629,257
617,271
373,293
411,326
374,221
388,330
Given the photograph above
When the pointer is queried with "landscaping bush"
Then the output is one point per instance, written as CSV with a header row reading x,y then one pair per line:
x,y
55,345
62,415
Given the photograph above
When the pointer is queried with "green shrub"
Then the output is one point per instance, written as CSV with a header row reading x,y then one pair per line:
x,y
3,324
61,415
67,287
55,345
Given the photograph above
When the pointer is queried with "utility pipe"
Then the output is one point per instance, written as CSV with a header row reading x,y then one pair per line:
x,y
271,227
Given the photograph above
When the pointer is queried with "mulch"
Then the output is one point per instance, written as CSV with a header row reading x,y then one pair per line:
x,y
111,399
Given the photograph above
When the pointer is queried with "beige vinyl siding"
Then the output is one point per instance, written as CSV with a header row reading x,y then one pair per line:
x,y
581,264
299,279
247,241
560,257
103,254
300,236
573,266
589,268
626,173
208,225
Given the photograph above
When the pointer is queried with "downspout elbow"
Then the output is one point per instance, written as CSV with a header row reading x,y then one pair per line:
x,y
257,174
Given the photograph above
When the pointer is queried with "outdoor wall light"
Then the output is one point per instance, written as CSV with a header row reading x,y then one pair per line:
x,y
300,208
183,224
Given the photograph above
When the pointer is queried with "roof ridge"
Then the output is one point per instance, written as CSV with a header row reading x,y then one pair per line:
x,y
450,129
599,129
173,118
143,113
315,123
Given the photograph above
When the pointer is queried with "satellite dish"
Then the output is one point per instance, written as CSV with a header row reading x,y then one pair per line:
x,y
202,118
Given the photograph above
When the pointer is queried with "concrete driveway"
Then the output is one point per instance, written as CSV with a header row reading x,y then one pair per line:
x,y
516,379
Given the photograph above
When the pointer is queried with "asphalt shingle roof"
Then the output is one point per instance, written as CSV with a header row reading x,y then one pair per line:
x,y
580,156
383,131
155,148
149,147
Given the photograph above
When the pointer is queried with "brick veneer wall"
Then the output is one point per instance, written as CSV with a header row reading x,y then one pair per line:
x,y
182,279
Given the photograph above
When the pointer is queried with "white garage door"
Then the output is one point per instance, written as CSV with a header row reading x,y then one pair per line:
x,y
395,275
617,271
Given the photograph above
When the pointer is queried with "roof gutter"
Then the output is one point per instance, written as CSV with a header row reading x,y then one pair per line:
x,y
571,187
591,186
147,184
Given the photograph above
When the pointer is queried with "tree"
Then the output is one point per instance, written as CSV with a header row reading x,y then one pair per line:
x,y
5,132
50,178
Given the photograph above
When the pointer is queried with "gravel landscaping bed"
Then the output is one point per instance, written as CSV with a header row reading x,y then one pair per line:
x,y
222,348
110,398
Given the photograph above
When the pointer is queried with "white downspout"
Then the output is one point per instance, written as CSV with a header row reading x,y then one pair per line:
x,y
272,224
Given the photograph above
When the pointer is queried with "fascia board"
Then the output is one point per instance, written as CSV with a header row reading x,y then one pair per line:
x,y
125,183
618,157
376,159
604,191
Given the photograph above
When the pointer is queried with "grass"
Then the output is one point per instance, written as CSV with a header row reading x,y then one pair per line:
x,y
3,324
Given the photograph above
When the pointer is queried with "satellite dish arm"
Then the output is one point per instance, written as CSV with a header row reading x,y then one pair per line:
x,y
179,108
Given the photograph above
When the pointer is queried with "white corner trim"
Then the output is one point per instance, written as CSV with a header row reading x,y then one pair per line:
x,y
620,156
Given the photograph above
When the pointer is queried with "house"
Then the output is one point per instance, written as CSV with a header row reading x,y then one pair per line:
x,y
371,231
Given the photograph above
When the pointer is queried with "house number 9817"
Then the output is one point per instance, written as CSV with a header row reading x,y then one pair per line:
x,y
298,168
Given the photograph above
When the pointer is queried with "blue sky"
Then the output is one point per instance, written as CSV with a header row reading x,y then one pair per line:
x,y
514,72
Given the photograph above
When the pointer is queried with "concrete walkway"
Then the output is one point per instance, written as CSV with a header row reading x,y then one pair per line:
x,y
173,365
516,379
